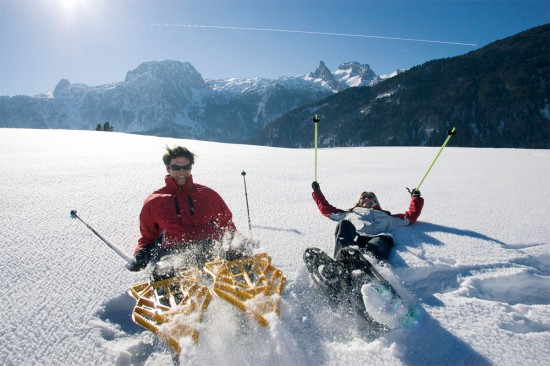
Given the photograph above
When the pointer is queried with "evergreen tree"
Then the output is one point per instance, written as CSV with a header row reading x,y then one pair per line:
x,y
107,127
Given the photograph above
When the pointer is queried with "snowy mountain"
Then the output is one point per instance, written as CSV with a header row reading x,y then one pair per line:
x,y
170,98
348,75
352,74
496,96
476,264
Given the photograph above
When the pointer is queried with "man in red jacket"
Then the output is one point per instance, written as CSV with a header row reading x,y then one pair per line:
x,y
182,216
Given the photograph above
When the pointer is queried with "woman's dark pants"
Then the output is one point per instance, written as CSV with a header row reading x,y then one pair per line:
x,y
379,246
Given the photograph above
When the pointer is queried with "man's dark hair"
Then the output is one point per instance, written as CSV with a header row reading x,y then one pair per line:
x,y
177,152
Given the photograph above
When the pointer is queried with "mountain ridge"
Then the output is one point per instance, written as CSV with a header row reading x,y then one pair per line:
x,y
170,98
497,96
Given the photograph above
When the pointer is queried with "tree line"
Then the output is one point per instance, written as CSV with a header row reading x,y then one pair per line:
x,y
104,127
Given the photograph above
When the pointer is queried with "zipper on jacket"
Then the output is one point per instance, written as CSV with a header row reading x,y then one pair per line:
x,y
191,206
178,210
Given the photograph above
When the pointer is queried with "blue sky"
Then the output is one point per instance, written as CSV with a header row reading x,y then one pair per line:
x,y
96,42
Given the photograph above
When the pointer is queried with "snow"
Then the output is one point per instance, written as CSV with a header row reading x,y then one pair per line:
x,y
475,265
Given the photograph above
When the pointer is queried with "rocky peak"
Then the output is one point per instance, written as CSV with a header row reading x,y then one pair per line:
x,y
182,74
62,86
356,74
322,72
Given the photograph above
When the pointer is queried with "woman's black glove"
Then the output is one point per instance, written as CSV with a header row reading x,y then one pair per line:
x,y
414,192
315,186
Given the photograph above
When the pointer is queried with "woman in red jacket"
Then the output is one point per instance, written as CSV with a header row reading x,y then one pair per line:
x,y
366,224
364,228
182,216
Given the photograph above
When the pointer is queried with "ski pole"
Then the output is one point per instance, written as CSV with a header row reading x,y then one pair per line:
x,y
112,246
315,122
450,133
246,197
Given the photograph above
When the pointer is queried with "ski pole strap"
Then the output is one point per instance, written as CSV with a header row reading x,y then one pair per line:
x,y
450,133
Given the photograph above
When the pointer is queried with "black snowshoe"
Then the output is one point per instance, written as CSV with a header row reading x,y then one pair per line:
x,y
325,272
344,278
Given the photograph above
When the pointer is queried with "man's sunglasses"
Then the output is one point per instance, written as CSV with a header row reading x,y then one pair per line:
x,y
369,196
179,167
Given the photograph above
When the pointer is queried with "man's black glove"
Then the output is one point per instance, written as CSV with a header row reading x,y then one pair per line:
x,y
315,186
414,192
141,259
135,266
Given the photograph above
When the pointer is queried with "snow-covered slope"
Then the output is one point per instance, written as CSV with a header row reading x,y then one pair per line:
x,y
476,264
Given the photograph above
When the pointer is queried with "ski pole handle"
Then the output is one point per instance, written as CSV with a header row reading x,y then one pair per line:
x,y
316,120
451,133
112,246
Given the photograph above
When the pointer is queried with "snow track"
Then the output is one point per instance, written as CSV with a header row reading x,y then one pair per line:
x,y
476,262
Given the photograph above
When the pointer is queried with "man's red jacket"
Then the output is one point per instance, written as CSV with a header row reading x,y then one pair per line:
x,y
190,213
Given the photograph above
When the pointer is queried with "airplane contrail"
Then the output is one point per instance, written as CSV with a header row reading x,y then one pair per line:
x,y
312,32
